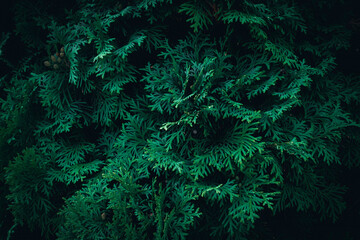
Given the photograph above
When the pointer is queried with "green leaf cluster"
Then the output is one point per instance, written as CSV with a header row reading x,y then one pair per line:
x,y
160,119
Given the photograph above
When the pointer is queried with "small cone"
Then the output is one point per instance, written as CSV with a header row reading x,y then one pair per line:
x,y
53,58
47,64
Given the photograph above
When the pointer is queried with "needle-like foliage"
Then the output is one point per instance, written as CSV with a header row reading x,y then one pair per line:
x,y
170,119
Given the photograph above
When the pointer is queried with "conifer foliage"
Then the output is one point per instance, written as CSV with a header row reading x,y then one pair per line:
x,y
165,119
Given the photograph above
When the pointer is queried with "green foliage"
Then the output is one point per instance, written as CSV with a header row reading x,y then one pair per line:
x,y
162,119
309,191
198,14
30,192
